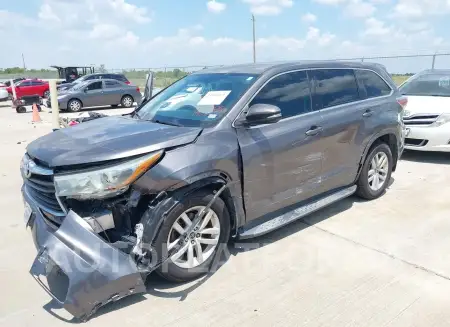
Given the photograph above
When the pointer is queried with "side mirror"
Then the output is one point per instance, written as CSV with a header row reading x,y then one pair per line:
x,y
85,90
262,114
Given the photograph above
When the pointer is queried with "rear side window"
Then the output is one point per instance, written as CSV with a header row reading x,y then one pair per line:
x,y
290,92
111,84
119,78
34,83
333,87
375,86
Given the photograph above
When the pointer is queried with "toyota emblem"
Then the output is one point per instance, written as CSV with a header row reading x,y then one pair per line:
x,y
27,170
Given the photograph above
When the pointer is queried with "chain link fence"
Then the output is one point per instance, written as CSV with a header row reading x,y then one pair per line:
x,y
401,67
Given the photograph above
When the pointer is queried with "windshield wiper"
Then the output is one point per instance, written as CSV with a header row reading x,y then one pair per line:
x,y
166,123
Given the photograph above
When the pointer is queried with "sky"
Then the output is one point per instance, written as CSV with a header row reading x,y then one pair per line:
x,y
122,34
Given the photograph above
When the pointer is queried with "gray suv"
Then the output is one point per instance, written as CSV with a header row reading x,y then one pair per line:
x,y
231,152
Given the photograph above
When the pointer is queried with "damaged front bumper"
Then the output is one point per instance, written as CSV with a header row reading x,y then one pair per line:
x,y
76,267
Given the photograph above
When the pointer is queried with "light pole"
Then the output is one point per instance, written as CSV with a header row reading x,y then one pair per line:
x,y
254,39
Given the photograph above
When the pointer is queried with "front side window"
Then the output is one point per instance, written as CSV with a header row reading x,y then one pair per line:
x,y
375,86
428,84
332,87
94,86
24,83
197,100
290,92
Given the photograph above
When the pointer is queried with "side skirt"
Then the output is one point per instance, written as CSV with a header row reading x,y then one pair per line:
x,y
290,216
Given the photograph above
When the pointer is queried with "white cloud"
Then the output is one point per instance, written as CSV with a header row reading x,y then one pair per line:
x,y
413,9
268,7
358,8
216,6
130,11
375,27
309,18
105,31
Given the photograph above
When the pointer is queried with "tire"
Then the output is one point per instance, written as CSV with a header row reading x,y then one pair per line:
x,y
74,105
46,94
127,101
21,110
375,168
176,270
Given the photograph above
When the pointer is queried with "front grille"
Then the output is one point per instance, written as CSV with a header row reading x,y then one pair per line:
x,y
420,119
40,186
415,142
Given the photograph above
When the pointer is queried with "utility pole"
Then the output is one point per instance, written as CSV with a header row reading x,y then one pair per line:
x,y
23,61
254,39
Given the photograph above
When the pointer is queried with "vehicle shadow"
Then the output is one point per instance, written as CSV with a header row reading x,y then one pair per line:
x,y
159,287
426,157
4,105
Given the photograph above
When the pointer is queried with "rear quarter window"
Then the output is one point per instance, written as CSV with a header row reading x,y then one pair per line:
x,y
374,85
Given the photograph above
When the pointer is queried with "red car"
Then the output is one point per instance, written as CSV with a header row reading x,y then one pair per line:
x,y
31,87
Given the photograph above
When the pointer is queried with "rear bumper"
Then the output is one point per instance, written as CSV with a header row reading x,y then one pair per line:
x,y
428,138
77,268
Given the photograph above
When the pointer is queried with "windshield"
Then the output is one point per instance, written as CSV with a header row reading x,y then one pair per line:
x,y
431,84
79,86
198,100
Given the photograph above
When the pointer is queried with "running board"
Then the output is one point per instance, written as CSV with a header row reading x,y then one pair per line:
x,y
295,214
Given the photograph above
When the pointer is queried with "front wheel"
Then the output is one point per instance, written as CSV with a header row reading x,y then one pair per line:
x,y
376,172
199,248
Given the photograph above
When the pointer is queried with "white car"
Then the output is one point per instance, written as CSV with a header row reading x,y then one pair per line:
x,y
3,94
427,114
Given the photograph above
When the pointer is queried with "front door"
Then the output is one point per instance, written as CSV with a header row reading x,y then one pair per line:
x,y
282,161
93,94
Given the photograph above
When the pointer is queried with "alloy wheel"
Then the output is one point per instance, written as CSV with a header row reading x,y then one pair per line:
x,y
199,245
127,102
75,106
378,171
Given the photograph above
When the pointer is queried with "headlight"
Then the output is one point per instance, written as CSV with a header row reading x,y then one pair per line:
x,y
441,120
106,182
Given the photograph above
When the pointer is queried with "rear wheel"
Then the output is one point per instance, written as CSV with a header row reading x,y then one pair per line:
x,y
46,94
198,248
376,172
74,105
21,110
127,101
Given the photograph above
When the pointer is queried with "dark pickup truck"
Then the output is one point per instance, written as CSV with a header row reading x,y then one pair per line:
x,y
232,152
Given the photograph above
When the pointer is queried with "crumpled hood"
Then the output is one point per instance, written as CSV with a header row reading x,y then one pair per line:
x,y
107,138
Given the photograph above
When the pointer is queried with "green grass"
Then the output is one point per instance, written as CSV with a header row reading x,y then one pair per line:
x,y
399,79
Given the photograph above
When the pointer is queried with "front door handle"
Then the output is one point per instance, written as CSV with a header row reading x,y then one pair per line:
x,y
314,130
368,113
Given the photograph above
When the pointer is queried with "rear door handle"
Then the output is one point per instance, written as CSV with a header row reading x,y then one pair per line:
x,y
367,113
314,130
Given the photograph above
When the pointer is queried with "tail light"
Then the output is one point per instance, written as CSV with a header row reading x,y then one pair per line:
x,y
137,89
128,82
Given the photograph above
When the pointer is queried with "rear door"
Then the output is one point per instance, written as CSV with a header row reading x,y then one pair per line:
x,y
39,87
282,161
93,95
338,96
113,91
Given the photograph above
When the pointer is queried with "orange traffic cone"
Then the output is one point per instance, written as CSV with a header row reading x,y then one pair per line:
x,y
36,117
